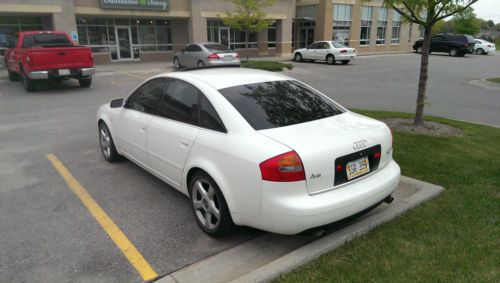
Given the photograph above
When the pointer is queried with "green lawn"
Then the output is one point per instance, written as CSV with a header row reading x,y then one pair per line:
x,y
494,80
267,65
453,238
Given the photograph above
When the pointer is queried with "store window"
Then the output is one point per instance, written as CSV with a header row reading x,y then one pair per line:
x,y
9,26
342,17
396,27
271,35
381,25
235,39
366,24
124,38
410,32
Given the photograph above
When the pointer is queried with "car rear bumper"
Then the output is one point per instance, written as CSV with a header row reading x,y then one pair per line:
x,y
54,74
222,63
287,208
343,57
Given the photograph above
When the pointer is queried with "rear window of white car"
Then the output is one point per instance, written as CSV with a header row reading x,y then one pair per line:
x,y
279,103
216,47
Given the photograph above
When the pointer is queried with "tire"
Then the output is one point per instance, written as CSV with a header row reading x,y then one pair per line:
x,y
330,59
345,62
419,50
453,52
207,202
28,84
200,64
177,63
12,76
107,144
298,57
86,82
480,51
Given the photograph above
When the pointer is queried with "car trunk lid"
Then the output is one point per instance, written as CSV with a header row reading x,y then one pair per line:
x,y
321,142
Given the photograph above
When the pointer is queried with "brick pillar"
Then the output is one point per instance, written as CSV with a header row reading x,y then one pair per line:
x,y
179,31
324,21
66,19
262,43
197,25
284,37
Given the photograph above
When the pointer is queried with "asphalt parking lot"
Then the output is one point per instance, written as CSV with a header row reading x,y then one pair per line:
x,y
48,235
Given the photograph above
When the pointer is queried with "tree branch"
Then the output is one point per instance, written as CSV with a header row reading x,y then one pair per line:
x,y
456,11
415,20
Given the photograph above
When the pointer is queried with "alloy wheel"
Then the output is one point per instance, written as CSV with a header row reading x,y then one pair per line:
x,y
105,141
206,204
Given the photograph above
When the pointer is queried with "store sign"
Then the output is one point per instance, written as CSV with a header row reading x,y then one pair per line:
x,y
161,5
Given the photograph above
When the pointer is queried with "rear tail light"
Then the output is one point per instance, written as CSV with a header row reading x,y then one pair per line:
x,y
377,155
238,55
28,60
286,167
489,45
466,45
343,51
213,56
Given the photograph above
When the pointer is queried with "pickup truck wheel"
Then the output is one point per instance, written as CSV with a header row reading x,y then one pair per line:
x,y
28,84
12,76
85,82
453,52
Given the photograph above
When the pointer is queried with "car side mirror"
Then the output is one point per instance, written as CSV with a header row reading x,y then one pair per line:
x,y
116,103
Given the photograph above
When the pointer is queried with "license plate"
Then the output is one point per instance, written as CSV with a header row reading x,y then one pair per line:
x,y
64,72
357,168
228,58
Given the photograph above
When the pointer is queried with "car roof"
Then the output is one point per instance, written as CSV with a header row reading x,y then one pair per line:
x,y
225,77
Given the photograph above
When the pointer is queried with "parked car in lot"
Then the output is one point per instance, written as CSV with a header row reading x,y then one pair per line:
x,y
205,54
47,55
329,51
253,148
483,47
453,44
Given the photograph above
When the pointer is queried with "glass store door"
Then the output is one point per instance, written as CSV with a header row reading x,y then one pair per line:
x,y
224,38
124,44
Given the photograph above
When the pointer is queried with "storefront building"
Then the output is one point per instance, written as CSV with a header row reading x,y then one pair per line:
x,y
367,26
153,30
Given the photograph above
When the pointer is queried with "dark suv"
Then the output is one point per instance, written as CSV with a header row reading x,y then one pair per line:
x,y
453,44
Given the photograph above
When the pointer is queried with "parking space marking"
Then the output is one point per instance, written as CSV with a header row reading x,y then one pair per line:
x,y
109,226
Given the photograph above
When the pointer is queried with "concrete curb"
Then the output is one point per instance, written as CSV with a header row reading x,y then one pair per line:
x,y
268,256
317,248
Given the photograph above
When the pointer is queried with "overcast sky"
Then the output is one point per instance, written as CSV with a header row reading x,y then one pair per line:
x,y
488,10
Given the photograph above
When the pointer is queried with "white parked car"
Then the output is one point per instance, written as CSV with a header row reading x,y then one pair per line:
x,y
329,51
252,148
483,47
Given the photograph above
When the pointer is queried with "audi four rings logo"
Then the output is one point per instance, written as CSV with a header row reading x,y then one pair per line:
x,y
359,144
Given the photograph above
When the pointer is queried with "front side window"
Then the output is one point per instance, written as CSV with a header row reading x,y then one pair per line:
x,y
366,25
147,97
381,25
180,103
342,17
396,27
279,104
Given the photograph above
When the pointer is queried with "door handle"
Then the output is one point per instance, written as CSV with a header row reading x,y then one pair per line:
x,y
143,128
184,142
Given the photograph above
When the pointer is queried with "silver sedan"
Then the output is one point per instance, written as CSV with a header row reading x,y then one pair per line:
x,y
205,54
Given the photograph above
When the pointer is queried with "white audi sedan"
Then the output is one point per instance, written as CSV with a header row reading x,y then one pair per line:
x,y
329,51
252,148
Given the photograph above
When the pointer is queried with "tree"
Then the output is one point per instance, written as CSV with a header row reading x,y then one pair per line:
x,y
426,13
466,22
249,17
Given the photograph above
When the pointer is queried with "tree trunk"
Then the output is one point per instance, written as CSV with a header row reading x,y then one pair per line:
x,y
422,83
246,43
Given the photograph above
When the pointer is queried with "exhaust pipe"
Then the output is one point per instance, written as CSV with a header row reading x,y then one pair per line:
x,y
388,199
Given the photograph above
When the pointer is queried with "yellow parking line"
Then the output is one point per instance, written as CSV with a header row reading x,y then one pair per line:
x,y
114,232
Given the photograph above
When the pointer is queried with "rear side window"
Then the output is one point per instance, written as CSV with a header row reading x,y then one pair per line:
x,y
278,104
209,117
216,47
193,48
180,103
147,97
46,40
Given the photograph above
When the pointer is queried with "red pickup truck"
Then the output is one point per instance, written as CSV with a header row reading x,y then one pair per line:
x,y
47,55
